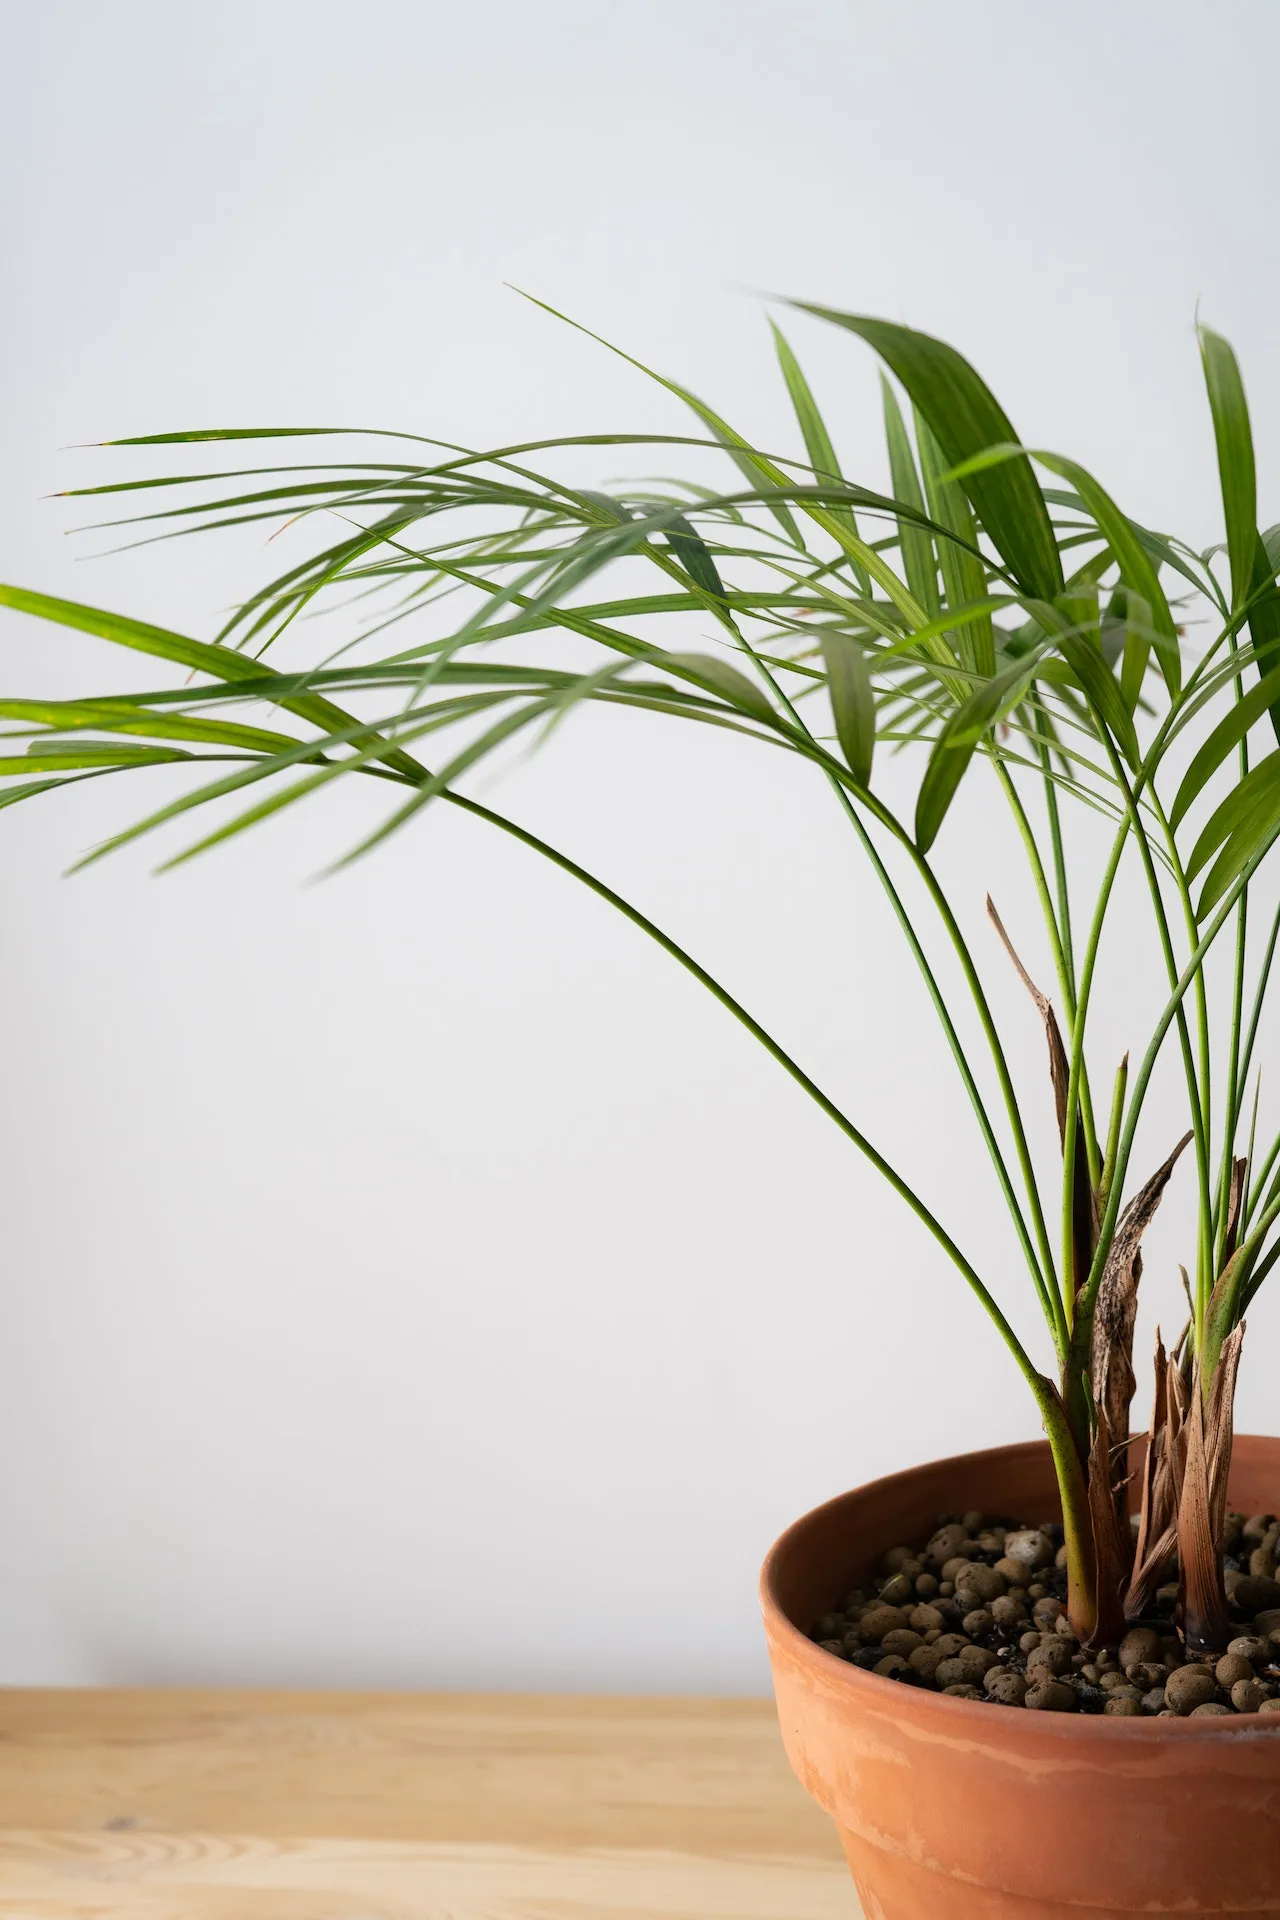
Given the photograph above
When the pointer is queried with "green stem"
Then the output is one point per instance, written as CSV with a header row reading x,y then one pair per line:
x,y
771,1046
1113,1129
1059,862
1231,1113
1065,984
1050,1299
1149,1058
1259,994
1202,1107
1048,1295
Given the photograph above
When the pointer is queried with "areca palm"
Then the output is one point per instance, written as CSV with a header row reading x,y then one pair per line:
x,y
997,615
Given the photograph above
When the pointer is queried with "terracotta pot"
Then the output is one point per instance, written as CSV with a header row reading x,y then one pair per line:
x,y
958,1810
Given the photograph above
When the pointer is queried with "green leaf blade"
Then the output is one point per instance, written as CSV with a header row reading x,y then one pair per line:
x,y
966,418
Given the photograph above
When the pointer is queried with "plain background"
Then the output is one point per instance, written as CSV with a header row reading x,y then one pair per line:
x,y
414,1279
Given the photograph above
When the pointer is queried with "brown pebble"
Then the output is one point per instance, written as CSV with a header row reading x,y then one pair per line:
x,y
892,1562
891,1665
1233,1667
1113,1680
897,1592
1262,1564
973,1521
1050,1696
950,1644
1233,1531
926,1585
1256,1651
901,1640
879,1620
1128,1704
981,1621
1256,1527
1036,1591
830,1627
924,1661
1257,1594
1007,1610
961,1691
1030,1640
1267,1622
1147,1674
1189,1688
976,1661
1139,1644
1208,1707
987,1582
954,1568
923,1618
1016,1572
1091,1672
1060,1557
950,1673
1048,1609
833,1646
1004,1686
992,1539
945,1544
1247,1696
1270,1706
931,1634
1052,1656
1031,1546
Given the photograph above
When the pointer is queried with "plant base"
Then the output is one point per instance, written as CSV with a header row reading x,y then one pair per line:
x,y
950,1810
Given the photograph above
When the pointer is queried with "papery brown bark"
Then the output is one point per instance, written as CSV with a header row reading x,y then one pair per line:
x,y
1202,1507
1235,1202
1110,1537
1084,1202
1111,1376
1156,1549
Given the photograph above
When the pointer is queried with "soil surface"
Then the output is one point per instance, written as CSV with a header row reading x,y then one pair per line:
x,y
979,1612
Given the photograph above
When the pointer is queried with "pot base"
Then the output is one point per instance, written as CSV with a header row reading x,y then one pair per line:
x,y
893,1888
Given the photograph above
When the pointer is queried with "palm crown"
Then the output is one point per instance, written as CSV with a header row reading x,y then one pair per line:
x,y
987,618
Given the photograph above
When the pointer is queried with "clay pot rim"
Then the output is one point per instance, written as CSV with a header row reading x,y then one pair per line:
x,y
873,1690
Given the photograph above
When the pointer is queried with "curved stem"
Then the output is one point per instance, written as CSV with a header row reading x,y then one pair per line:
x,y
1201,1109
784,1060
1065,984
1145,1070
1235,1076
1259,995
1050,1299
1046,1292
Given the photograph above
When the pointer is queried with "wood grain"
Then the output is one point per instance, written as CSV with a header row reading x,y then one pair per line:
x,y
282,1806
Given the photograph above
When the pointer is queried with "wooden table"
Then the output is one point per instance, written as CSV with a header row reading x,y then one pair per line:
x,y
289,1806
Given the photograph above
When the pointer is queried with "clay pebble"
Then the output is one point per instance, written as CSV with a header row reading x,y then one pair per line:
x,y
979,1613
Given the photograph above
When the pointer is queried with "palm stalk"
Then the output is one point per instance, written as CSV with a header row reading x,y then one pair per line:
x,y
995,614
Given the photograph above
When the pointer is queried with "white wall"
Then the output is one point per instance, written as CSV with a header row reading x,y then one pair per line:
x,y
414,1279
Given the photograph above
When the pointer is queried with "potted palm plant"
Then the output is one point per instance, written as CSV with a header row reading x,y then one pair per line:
x,y
1000,616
